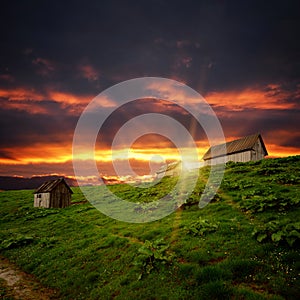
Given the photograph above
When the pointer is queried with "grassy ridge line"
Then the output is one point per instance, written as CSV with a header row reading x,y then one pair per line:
x,y
212,253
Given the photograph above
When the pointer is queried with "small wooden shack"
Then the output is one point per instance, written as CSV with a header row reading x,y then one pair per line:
x,y
249,148
53,194
172,169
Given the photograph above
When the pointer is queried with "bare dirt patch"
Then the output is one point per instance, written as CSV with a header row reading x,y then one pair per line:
x,y
20,285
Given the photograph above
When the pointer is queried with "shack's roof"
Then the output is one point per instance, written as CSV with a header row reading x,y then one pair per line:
x,y
168,167
48,186
236,146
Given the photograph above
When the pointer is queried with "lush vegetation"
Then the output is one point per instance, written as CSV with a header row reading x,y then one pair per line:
x,y
242,245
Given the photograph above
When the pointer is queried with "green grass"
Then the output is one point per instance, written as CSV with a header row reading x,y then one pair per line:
x,y
242,245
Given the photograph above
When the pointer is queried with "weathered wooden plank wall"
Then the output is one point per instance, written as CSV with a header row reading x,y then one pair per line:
x,y
59,197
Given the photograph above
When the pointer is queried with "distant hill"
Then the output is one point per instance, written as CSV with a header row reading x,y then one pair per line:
x,y
21,183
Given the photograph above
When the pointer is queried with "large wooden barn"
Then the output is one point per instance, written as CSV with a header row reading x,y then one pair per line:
x,y
53,194
249,148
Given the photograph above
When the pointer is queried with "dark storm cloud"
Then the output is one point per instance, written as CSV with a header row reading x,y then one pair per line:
x,y
21,128
6,155
215,45
52,51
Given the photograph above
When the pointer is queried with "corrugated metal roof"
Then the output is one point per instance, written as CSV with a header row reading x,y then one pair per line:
x,y
48,186
241,145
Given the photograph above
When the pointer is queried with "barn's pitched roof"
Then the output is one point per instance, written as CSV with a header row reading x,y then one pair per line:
x,y
240,145
48,186
168,167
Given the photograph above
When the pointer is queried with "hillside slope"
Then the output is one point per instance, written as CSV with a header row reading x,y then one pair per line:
x,y
242,245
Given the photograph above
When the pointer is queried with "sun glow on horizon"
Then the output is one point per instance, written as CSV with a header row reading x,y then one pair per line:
x,y
63,153
55,148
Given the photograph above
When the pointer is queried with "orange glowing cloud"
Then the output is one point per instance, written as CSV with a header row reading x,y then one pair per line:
x,y
38,153
271,97
89,72
68,98
21,94
142,152
29,100
143,161
173,92
33,107
62,152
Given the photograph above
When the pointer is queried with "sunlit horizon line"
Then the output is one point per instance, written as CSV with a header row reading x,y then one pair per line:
x,y
111,179
106,175
142,155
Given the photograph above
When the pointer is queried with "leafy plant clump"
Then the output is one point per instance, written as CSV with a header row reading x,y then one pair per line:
x,y
278,231
201,227
277,201
286,178
152,255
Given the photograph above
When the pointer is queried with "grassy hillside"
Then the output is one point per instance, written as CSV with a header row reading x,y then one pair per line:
x,y
243,245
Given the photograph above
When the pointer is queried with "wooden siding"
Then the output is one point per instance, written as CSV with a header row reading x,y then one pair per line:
x,y
56,194
60,197
42,200
236,157
250,148
258,151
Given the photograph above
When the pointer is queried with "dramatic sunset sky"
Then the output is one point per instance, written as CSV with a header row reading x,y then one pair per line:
x,y
56,56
